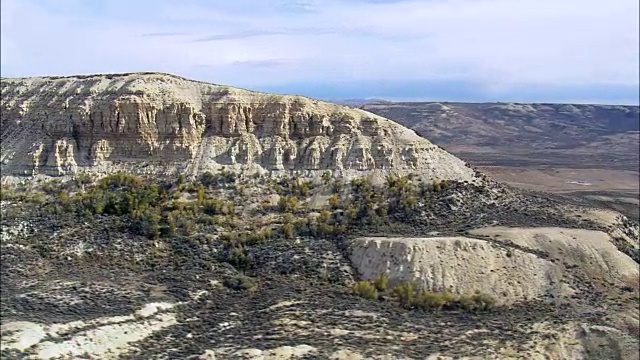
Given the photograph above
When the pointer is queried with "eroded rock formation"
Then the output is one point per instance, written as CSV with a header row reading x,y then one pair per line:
x,y
159,123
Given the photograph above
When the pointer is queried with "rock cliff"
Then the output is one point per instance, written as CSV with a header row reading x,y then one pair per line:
x,y
163,124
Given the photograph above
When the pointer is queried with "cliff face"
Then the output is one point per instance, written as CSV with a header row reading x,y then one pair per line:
x,y
159,123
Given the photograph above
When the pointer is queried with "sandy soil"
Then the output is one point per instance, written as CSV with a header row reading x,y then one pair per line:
x,y
565,179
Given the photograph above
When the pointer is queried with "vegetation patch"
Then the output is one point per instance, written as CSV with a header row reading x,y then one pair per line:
x,y
412,296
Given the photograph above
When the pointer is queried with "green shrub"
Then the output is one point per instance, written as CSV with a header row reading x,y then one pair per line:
x,y
147,224
405,294
201,195
120,180
256,237
323,229
180,180
294,187
223,177
179,223
437,187
338,186
8,193
381,283
83,178
428,300
365,290
236,255
288,230
485,302
240,283
477,302
218,207
288,204
334,202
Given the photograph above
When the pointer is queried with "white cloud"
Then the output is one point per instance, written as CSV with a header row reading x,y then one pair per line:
x,y
501,43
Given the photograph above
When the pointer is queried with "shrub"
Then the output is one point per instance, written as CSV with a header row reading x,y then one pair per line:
x,y
218,207
37,198
52,187
294,187
288,204
83,178
334,202
147,224
179,223
405,294
326,177
229,237
477,302
338,186
181,180
119,181
466,302
325,229
256,237
201,195
483,302
288,230
223,177
324,217
365,290
240,282
428,300
381,283
237,256
437,187
8,193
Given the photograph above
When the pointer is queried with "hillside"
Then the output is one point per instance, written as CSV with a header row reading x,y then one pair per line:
x,y
195,221
564,135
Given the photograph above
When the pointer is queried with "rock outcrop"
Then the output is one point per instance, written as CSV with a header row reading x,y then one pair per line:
x,y
163,124
538,266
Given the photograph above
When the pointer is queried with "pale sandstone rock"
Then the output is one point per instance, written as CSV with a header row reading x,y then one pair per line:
x,y
280,353
465,265
104,338
592,251
151,123
459,265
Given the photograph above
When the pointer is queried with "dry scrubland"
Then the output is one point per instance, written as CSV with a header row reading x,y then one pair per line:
x,y
263,266
194,221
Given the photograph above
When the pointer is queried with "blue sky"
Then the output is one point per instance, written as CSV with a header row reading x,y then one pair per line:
x,y
455,50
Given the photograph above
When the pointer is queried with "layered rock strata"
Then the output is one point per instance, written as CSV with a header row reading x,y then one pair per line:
x,y
158,123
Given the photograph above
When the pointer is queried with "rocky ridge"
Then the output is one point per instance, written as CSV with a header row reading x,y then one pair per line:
x,y
163,124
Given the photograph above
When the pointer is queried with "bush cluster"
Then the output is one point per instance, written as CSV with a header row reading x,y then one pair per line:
x,y
240,282
412,296
294,186
222,178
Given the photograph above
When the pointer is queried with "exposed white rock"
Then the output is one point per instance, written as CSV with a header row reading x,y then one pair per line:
x,y
103,338
280,353
459,265
592,251
465,265
151,123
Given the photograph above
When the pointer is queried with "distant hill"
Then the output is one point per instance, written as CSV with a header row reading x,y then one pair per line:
x,y
602,136
357,102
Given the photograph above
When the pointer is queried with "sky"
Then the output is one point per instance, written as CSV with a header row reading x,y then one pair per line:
x,y
584,51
